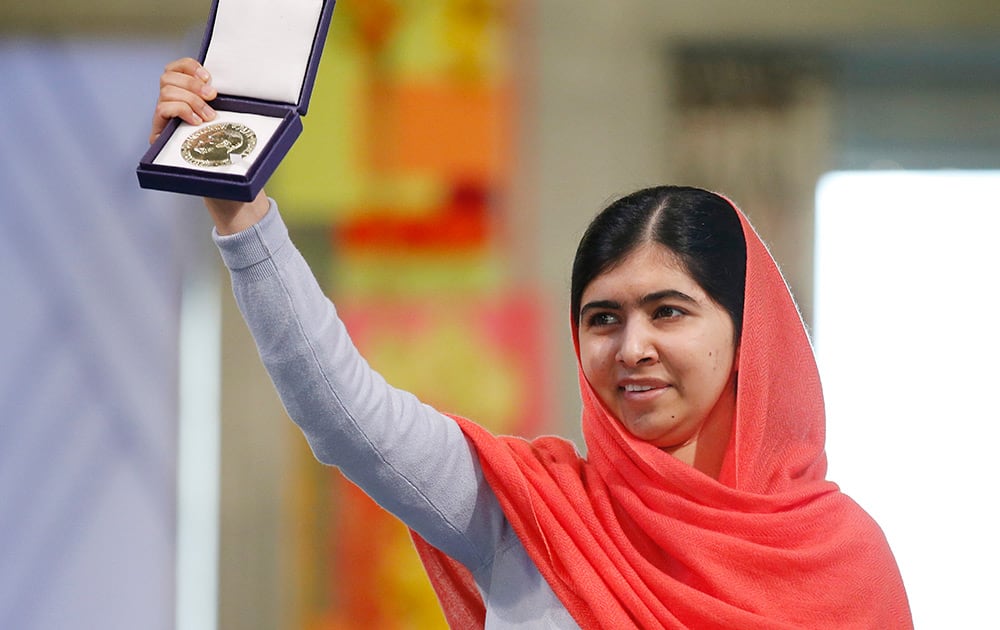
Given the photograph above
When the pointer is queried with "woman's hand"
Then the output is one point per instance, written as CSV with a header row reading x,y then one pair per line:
x,y
185,90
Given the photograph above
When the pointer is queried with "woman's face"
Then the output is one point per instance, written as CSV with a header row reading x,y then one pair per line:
x,y
658,350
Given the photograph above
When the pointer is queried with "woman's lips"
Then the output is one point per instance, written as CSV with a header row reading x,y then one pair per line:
x,y
642,389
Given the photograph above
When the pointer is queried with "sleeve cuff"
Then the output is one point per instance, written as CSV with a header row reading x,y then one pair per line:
x,y
255,244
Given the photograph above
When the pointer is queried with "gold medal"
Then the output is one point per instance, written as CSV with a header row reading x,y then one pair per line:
x,y
213,144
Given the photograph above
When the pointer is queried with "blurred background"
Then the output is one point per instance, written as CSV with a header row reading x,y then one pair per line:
x,y
453,152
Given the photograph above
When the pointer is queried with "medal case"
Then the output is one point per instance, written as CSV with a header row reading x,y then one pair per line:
x,y
263,56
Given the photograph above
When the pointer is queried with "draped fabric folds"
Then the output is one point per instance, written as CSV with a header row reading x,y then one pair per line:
x,y
631,537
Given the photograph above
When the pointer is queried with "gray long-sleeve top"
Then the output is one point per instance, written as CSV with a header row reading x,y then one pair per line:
x,y
411,459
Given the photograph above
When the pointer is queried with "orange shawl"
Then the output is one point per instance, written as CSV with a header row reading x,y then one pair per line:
x,y
632,537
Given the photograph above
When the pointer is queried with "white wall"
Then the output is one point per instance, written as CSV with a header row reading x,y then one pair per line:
x,y
907,340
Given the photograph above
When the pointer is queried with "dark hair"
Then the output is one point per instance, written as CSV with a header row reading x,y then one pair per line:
x,y
699,227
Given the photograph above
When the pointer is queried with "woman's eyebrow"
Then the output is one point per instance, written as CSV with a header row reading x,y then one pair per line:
x,y
608,304
667,294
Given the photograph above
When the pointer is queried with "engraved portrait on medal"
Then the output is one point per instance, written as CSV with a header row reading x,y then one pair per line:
x,y
212,145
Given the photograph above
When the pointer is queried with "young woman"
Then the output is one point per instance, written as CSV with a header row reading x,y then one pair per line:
x,y
702,500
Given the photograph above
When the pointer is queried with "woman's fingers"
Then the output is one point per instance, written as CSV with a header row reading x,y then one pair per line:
x,y
195,103
185,89
186,82
172,109
188,65
191,111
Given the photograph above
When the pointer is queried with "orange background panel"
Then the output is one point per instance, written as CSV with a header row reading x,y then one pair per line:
x,y
478,356
461,131
462,222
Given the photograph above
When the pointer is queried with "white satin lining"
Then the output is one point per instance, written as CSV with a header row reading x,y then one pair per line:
x,y
260,48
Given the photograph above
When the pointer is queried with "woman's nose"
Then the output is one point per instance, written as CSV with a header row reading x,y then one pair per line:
x,y
636,346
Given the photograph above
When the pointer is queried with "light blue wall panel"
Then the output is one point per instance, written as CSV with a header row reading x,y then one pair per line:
x,y
90,277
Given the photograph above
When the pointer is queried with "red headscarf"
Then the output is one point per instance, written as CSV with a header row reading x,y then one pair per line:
x,y
632,537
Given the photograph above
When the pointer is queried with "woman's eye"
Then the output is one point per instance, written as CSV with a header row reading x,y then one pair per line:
x,y
668,312
601,319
